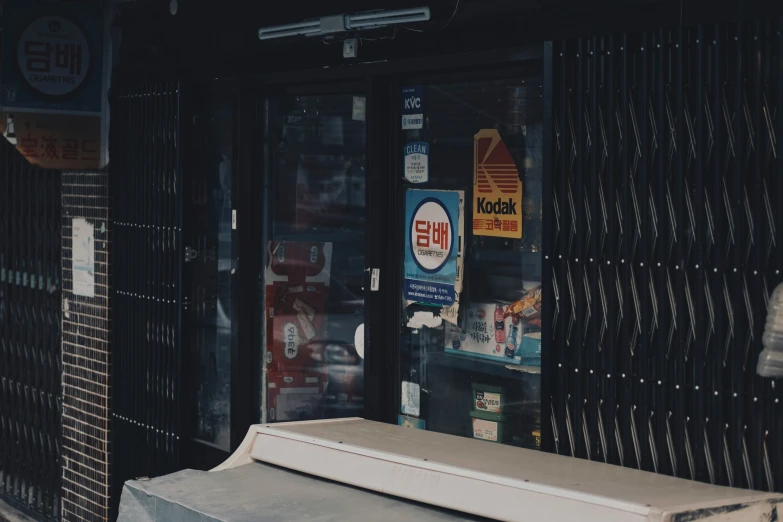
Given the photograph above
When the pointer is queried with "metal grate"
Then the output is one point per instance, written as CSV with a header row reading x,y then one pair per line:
x,y
667,236
29,335
146,189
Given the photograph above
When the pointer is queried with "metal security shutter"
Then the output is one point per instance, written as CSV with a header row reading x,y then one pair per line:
x,y
29,335
667,239
146,348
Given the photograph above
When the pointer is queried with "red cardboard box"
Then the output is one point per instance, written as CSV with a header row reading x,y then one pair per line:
x,y
295,396
297,280
298,263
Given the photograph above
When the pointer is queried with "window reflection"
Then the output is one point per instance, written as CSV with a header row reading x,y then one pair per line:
x,y
315,259
209,274
477,373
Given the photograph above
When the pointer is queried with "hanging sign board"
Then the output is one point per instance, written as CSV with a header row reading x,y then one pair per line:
x,y
55,141
497,189
431,239
54,83
83,244
413,107
52,58
417,163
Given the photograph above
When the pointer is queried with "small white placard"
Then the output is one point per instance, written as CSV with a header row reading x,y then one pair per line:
x,y
375,279
83,251
359,108
411,401
417,162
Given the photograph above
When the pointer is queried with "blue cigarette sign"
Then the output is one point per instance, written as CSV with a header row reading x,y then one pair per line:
x,y
430,239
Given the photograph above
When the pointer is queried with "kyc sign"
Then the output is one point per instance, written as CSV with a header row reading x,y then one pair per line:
x,y
413,107
430,254
53,55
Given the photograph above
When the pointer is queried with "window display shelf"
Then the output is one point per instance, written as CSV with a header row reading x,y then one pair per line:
x,y
497,255
483,366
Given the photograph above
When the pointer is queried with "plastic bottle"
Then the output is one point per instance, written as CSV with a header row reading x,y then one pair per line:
x,y
511,342
771,358
500,325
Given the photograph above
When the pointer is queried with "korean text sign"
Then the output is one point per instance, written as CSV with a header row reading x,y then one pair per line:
x,y
431,239
52,58
57,141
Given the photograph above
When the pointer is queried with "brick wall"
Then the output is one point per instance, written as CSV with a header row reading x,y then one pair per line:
x,y
85,357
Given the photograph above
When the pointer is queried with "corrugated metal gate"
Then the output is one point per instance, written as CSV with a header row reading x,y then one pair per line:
x,y
667,241
146,190
30,362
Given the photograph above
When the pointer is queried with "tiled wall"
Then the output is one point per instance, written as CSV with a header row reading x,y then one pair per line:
x,y
86,356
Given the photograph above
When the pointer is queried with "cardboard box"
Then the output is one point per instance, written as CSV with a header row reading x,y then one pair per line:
x,y
295,396
297,263
486,336
297,288
295,317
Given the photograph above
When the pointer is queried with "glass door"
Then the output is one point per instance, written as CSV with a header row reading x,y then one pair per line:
x,y
313,207
210,269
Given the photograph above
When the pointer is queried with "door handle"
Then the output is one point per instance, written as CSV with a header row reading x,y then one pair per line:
x,y
190,254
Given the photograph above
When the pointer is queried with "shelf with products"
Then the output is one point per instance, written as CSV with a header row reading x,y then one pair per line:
x,y
508,256
484,366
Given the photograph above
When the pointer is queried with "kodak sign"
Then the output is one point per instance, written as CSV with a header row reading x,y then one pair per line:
x,y
497,190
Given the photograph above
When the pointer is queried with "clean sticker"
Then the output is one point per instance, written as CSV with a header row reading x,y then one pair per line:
x,y
411,399
359,108
417,162
412,107
431,236
497,190
83,241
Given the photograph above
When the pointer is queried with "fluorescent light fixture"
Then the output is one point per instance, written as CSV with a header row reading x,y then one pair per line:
x,y
384,18
310,27
341,23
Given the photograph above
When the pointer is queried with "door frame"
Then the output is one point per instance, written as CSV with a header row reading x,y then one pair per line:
x,y
196,453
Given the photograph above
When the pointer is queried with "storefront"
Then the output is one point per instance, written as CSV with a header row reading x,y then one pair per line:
x,y
443,240
345,176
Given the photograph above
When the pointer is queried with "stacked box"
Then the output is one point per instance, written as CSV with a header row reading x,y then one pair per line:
x,y
297,289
